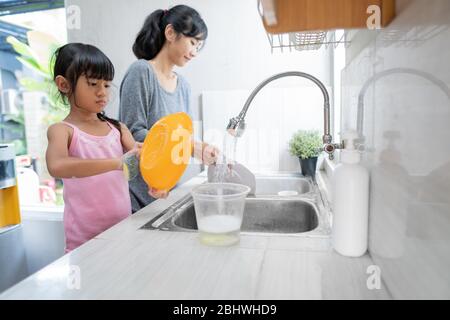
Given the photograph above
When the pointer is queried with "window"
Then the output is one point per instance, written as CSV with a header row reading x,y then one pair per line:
x,y
26,102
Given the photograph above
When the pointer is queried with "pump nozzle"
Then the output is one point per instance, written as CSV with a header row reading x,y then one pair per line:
x,y
348,139
349,153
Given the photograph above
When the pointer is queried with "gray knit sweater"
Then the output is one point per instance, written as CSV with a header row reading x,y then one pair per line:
x,y
143,102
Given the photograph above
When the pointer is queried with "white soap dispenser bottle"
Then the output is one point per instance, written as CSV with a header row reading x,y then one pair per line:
x,y
350,204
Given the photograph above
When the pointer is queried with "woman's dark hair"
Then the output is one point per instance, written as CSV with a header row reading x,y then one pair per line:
x,y
185,20
76,59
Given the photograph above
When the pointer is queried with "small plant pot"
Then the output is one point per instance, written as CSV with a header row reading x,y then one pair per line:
x,y
308,166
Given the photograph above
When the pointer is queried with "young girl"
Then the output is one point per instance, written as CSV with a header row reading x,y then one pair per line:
x,y
87,149
151,89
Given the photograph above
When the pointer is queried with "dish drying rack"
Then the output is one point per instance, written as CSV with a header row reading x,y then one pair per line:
x,y
311,40
308,40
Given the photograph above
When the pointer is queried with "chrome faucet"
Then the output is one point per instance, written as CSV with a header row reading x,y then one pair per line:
x,y
236,126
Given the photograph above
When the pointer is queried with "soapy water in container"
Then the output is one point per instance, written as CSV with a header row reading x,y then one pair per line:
x,y
219,230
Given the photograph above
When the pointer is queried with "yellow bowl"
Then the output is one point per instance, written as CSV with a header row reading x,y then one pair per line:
x,y
166,151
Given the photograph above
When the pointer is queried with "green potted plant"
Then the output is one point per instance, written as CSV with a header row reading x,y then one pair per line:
x,y
306,144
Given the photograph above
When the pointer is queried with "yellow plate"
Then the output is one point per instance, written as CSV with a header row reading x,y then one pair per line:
x,y
166,151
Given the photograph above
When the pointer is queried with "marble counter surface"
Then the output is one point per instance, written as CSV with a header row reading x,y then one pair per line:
x,y
126,262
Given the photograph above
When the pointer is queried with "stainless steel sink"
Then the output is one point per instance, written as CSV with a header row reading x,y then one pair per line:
x,y
261,215
265,213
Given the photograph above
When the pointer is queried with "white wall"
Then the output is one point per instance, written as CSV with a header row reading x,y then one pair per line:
x,y
237,55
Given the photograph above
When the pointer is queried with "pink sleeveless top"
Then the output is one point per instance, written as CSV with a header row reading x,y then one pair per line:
x,y
96,203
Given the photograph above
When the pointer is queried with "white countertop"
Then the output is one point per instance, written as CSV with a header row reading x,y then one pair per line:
x,y
126,262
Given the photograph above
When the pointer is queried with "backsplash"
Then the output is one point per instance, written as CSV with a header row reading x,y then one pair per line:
x,y
405,119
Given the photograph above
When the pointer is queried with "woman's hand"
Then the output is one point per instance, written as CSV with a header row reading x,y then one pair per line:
x,y
158,194
206,153
209,154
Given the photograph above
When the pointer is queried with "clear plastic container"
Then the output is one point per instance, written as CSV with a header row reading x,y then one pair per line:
x,y
219,209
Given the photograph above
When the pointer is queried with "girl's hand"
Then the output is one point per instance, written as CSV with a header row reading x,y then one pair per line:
x,y
138,147
158,194
136,151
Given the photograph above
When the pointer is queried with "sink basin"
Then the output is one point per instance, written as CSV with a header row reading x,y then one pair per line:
x,y
260,215
283,204
274,185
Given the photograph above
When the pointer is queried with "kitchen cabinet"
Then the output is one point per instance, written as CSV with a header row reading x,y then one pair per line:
x,y
283,16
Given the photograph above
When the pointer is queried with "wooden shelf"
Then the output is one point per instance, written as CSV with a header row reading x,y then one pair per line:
x,y
311,15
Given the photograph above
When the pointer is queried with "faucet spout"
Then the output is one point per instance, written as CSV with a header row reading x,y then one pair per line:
x,y
236,126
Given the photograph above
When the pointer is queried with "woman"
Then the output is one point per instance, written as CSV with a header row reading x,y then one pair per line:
x,y
151,89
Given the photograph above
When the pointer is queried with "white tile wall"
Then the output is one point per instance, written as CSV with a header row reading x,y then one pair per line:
x,y
406,125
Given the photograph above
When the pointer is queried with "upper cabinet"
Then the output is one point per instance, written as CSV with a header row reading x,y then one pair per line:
x,y
282,16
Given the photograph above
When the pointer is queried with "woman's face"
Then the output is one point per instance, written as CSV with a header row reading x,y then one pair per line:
x,y
183,49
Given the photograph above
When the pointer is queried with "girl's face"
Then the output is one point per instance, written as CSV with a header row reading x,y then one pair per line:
x,y
183,49
91,94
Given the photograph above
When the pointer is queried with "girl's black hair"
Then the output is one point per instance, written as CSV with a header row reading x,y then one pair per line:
x,y
76,59
185,20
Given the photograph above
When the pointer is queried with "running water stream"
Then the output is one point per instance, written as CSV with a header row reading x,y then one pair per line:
x,y
225,159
